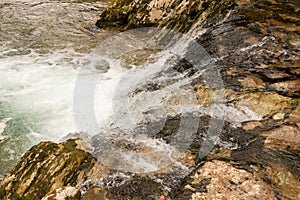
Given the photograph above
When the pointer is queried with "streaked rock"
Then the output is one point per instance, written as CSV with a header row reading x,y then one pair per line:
x,y
46,168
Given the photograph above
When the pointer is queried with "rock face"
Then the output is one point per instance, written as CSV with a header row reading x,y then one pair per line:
x,y
255,45
182,16
47,167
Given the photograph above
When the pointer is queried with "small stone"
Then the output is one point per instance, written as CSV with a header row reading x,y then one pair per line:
x,y
252,82
278,116
296,71
163,197
251,125
189,187
103,66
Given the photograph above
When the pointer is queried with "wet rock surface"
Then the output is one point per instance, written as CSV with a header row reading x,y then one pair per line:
x,y
182,16
255,45
256,48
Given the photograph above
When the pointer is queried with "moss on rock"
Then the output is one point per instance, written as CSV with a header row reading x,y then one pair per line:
x,y
46,167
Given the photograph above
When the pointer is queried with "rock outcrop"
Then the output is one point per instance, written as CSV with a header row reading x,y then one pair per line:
x,y
46,168
181,16
256,48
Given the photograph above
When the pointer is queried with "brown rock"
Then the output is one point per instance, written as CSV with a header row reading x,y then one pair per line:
x,y
64,193
275,74
229,182
130,14
290,87
264,103
284,182
294,117
251,125
138,188
283,137
97,194
252,82
45,168
296,71
235,71
136,58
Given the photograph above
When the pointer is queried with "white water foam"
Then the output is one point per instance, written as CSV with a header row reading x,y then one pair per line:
x,y
3,125
42,86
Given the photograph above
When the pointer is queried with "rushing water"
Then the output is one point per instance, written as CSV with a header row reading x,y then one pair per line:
x,y
51,57
55,64
60,74
43,44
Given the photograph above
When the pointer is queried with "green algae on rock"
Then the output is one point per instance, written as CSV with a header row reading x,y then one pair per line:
x,y
46,167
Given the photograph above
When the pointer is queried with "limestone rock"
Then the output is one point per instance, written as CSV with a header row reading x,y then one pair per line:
x,y
264,103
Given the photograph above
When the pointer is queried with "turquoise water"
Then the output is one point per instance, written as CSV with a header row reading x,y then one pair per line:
x,y
15,138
